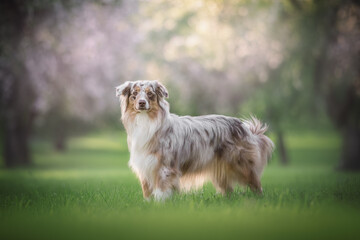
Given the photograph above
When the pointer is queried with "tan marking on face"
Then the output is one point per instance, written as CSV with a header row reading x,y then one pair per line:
x,y
147,93
150,94
152,99
131,110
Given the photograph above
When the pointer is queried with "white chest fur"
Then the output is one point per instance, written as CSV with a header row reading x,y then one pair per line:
x,y
141,132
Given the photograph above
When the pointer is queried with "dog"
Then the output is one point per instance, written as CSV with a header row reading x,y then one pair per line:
x,y
170,153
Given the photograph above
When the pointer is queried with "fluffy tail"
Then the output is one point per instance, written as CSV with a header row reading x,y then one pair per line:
x,y
258,129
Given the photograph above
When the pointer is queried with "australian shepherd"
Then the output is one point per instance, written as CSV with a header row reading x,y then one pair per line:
x,y
170,152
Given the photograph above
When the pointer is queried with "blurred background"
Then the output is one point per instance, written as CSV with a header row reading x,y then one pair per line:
x,y
295,64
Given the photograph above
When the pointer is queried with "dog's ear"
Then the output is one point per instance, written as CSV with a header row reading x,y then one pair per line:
x,y
123,89
161,90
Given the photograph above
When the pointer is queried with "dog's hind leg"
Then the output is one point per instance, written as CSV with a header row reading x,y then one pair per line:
x,y
254,182
220,178
246,174
223,187
246,166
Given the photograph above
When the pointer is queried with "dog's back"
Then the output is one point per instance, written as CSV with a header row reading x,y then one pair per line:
x,y
225,150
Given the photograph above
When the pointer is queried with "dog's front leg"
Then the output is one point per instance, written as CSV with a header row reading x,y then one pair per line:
x,y
167,180
146,189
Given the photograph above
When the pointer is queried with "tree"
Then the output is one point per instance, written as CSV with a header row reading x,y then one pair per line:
x,y
337,77
59,63
17,93
226,51
328,55
77,56
208,45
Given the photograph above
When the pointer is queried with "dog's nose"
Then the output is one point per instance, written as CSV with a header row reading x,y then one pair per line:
x,y
142,103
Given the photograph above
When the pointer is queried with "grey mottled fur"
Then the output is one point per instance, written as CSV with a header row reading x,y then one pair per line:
x,y
171,152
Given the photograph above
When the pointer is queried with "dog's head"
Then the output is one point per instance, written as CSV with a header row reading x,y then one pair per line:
x,y
141,96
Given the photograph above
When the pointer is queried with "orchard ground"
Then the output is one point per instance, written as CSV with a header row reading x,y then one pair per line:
x,y
89,192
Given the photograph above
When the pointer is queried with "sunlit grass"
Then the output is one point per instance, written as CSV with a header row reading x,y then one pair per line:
x,y
89,192
307,141
105,141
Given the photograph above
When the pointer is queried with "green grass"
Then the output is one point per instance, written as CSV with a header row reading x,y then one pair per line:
x,y
90,193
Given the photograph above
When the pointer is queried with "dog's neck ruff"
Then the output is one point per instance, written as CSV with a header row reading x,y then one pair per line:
x,y
142,129
140,132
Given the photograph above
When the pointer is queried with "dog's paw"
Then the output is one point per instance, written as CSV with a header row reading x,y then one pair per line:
x,y
160,195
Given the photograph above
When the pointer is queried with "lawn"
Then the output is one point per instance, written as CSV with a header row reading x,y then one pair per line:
x,y
90,193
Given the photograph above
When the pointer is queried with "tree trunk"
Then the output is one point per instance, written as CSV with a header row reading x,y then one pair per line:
x,y
60,142
16,146
284,160
16,119
351,149
17,95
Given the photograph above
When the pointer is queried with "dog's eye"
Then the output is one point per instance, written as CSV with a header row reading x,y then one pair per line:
x,y
134,93
149,94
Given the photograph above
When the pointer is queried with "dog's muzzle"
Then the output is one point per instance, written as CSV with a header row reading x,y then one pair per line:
x,y
142,105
